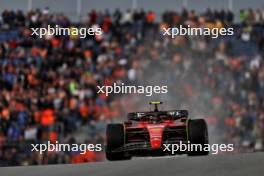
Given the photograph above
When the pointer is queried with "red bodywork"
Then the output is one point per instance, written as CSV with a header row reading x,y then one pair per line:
x,y
155,131
145,133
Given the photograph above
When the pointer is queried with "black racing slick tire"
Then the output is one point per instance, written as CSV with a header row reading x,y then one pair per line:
x,y
197,133
115,138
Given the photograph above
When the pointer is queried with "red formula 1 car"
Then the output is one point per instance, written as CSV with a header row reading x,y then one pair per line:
x,y
146,134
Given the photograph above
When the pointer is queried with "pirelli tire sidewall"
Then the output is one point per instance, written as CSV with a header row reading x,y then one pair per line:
x,y
115,138
197,133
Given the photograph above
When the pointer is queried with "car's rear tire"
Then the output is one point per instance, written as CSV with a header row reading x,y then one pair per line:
x,y
115,135
197,133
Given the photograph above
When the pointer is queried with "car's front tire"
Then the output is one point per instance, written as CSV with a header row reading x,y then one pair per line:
x,y
115,138
197,133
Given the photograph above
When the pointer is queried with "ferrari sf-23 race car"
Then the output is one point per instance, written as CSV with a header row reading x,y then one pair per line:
x,y
146,134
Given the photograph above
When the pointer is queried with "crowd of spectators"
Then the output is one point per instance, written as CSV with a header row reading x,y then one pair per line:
x,y
48,86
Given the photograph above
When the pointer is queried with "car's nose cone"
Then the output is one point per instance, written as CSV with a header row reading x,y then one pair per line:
x,y
155,134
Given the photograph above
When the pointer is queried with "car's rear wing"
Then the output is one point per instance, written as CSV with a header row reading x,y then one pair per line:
x,y
178,113
174,114
136,115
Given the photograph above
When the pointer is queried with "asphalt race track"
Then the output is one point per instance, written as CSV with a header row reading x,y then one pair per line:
x,y
251,164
